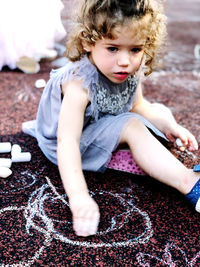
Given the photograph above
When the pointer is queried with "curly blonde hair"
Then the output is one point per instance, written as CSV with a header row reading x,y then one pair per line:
x,y
99,19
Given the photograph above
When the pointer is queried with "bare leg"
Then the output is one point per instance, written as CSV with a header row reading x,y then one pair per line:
x,y
155,159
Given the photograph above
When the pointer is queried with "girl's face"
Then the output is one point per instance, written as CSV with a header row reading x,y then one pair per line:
x,y
118,58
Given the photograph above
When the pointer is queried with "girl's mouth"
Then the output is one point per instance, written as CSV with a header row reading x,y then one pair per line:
x,y
121,75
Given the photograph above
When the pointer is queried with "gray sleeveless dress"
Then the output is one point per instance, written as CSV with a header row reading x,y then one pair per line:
x,y
105,116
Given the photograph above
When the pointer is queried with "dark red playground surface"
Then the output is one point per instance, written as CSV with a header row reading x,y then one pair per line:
x,y
143,223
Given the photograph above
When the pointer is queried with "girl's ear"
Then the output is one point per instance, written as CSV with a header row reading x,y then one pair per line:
x,y
86,46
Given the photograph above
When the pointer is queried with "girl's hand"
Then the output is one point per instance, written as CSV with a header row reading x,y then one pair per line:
x,y
85,214
167,124
188,140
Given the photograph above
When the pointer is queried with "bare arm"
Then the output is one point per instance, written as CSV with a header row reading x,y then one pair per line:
x,y
84,209
147,110
162,118
69,133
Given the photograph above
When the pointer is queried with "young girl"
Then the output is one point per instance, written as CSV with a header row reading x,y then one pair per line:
x,y
95,103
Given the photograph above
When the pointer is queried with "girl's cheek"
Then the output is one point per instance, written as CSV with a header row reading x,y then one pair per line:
x,y
138,63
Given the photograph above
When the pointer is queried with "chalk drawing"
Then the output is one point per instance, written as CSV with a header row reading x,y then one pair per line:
x,y
130,208
36,208
37,254
25,180
167,259
25,94
34,211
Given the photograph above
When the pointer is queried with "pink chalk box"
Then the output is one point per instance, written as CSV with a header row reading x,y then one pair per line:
x,y
122,160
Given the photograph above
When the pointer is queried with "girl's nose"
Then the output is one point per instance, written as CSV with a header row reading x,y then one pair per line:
x,y
123,59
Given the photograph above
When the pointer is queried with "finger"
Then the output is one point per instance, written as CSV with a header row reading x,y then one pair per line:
x,y
188,140
87,224
191,140
182,138
86,227
192,143
178,143
170,137
94,223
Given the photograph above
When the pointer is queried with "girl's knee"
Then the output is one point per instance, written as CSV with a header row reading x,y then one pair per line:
x,y
131,129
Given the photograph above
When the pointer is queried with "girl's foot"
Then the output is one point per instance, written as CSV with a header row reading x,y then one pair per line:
x,y
194,195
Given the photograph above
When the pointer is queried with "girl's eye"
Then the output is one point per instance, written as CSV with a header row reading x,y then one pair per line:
x,y
112,49
136,49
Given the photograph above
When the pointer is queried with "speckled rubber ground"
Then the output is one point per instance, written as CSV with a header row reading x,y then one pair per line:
x,y
143,223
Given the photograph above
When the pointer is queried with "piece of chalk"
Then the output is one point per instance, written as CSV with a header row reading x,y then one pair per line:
x,y
5,172
21,157
197,51
40,83
179,142
16,149
5,162
5,147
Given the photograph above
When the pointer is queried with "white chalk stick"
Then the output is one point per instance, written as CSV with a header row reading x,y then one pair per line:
x,y
197,51
5,162
179,142
5,172
40,83
5,147
21,157
16,149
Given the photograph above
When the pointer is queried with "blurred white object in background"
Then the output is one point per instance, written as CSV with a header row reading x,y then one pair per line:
x,y
29,28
